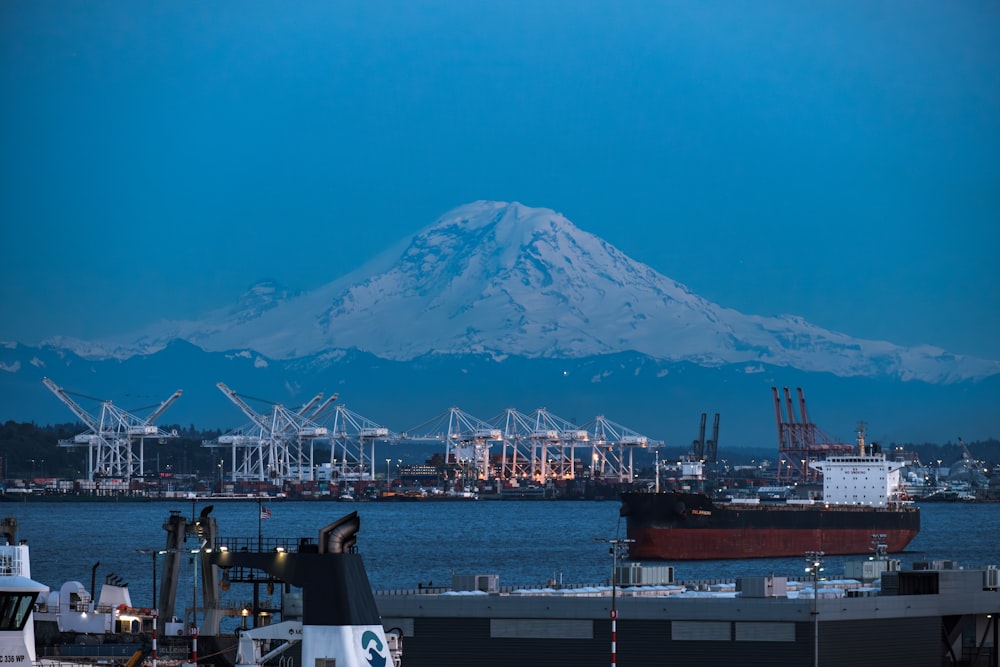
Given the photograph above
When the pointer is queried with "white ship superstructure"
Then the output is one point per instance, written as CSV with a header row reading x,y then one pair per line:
x,y
18,592
864,478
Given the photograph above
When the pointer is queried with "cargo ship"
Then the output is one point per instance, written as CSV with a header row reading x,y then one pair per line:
x,y
863,500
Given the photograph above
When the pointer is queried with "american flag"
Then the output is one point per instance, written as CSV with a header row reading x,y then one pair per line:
x,y
265,513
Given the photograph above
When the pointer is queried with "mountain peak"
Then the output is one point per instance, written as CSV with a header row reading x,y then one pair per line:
x,y
504,279
505,216
508,228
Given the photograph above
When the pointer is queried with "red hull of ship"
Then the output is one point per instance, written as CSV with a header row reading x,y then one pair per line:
x,y
719,543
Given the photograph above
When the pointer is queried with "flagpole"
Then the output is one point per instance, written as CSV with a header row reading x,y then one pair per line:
x,y
256,589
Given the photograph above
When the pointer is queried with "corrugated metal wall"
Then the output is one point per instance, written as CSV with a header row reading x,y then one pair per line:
x,y
914,642
464,642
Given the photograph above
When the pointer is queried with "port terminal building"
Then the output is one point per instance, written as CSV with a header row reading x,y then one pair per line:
x,y
932,615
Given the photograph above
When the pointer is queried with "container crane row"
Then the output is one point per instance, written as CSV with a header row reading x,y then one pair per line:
x,y
278,446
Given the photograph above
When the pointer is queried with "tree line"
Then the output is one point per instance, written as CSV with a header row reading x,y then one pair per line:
x,y
32,451
29,450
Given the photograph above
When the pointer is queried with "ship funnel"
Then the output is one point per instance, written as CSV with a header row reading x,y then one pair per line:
x,y
341,535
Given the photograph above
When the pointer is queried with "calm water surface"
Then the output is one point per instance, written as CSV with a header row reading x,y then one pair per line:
x,y
526,543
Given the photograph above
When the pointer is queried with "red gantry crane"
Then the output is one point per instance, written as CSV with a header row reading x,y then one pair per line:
x,y
800,442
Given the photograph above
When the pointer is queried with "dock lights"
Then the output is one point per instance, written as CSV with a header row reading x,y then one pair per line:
x,y
814,563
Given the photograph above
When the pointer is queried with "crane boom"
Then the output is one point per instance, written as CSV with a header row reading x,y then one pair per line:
x,y
319,410
163,406
258,419
61,394
315,399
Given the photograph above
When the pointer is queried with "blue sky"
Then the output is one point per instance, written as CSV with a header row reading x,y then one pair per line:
x,y
835,160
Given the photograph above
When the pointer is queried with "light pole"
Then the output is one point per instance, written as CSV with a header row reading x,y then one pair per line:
x,y
154,553
657,465
194,606
155,610
387,478
618,547
814,567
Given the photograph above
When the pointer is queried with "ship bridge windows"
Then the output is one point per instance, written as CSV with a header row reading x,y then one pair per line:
x,y
15,609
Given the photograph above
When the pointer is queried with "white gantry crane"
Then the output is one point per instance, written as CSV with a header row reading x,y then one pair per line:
x,y
612,446
352,444
278,446
112,434
467,441
539,446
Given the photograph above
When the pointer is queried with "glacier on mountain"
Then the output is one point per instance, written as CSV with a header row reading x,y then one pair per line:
x,y
498,279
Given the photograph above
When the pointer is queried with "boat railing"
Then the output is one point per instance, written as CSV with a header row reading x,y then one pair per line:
x,y
97,653
424,589
11,560
266,544
692,585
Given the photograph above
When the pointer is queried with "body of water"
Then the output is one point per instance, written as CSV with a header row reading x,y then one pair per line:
x,y
403,544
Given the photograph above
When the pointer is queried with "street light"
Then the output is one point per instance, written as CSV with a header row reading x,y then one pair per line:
x,y
156,611
154,553
814,560
618,547
387,478
657,469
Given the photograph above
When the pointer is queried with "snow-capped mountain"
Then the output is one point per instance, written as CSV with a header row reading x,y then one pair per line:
x,y
502,279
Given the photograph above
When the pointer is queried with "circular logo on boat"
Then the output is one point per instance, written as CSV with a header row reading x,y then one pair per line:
x,y
374,647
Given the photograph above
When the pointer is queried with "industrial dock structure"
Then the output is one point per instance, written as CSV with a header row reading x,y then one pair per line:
x,y
931,614
324,441
319,608
918,618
